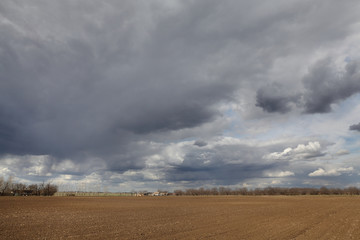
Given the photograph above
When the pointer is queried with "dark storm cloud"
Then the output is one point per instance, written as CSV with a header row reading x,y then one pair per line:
x,y
88,88
200,143
355,127
324,85
94,84
275,98
79,77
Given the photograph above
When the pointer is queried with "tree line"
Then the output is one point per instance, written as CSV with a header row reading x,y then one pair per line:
x,y
10,188
268,191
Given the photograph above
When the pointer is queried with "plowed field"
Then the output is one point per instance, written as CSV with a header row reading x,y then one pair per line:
x,y
220,217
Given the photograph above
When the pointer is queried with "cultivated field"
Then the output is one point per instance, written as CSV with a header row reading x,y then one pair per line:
x,y
218,217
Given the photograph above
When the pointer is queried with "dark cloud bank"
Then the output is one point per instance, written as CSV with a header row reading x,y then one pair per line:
x,y
275,98
355,127
323,86
94,81
94,90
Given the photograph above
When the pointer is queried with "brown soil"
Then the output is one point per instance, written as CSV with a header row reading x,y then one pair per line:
x,y
221,217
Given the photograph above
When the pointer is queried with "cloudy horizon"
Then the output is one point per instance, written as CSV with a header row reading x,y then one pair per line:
x,y
150,95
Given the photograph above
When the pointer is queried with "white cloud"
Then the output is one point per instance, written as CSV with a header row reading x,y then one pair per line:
x,y
275,182
331,172
280,174
342,152
346,170
311,150
4,171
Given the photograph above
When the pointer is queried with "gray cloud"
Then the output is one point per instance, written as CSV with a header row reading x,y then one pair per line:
x,y
355,127
275,98
200,143
228,161
95,86
325,86
220,165
94,90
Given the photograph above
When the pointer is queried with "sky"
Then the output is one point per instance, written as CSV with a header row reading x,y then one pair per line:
x,y
145,95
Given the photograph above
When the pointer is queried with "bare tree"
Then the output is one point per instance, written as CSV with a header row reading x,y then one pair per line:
x,y
34,189
6,186
2,182
18,189
269,191
178,192
50,189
